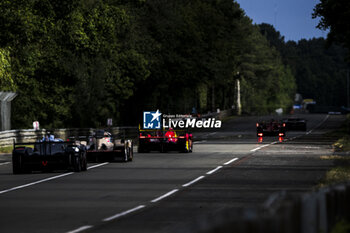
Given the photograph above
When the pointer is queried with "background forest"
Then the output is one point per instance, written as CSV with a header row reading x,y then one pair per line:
x,y
75,63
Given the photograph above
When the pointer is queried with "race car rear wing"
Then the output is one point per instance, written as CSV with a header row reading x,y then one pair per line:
x,y
45,147
151,133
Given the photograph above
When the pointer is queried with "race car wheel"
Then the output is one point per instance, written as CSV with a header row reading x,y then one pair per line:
x,y
162,149
191,146
186,150
141,149
84,162
126,154
17,164
131,152
77,163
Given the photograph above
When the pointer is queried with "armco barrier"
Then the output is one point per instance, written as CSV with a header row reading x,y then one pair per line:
x,y
315,212
29,135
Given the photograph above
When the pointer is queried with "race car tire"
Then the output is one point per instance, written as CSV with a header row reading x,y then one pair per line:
x,y
76,163
162,149
17,164
186,150
126,154
191,147
84,162
131,152
140,149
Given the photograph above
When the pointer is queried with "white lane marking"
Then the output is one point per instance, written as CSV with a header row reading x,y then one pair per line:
x,y
123,213
214,170
98,165
212,133
260,147
231,161
324,120
165,195
200,141
44,180
311,130
5,163
36,182
83,228
193,181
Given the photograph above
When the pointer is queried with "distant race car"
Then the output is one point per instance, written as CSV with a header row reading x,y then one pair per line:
x,y
295,124
48,154
103,146
270,128
165,140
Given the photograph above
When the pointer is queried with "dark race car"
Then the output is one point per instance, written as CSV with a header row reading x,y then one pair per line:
x,y
47,155
295,124
103,146
165,140
270,128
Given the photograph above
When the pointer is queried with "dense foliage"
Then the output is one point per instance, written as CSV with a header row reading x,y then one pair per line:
x,y
335,15
79,62
320,71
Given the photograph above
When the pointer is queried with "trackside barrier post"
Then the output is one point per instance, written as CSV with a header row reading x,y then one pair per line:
x,y
315,212
309,214
322,210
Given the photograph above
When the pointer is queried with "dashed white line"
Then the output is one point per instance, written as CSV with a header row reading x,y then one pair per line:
x,y
83,228
198,142
231,161
47,179
214,170
307,133
165,195
260,147
5,163
123,213
36,182
98,165
193,181
212,133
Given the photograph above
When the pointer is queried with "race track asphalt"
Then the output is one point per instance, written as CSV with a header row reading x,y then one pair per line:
x,y
169,192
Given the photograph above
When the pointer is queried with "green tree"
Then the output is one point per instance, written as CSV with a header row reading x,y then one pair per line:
x,y
335,15
6,81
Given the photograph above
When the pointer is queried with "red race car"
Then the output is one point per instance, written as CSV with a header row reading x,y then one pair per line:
x,y
271,128
165,140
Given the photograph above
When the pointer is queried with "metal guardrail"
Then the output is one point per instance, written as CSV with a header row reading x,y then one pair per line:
x,y
284,213
29,135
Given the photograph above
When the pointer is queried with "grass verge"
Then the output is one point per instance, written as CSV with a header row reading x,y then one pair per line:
x,y
6,149
341,227
342,144
341,171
